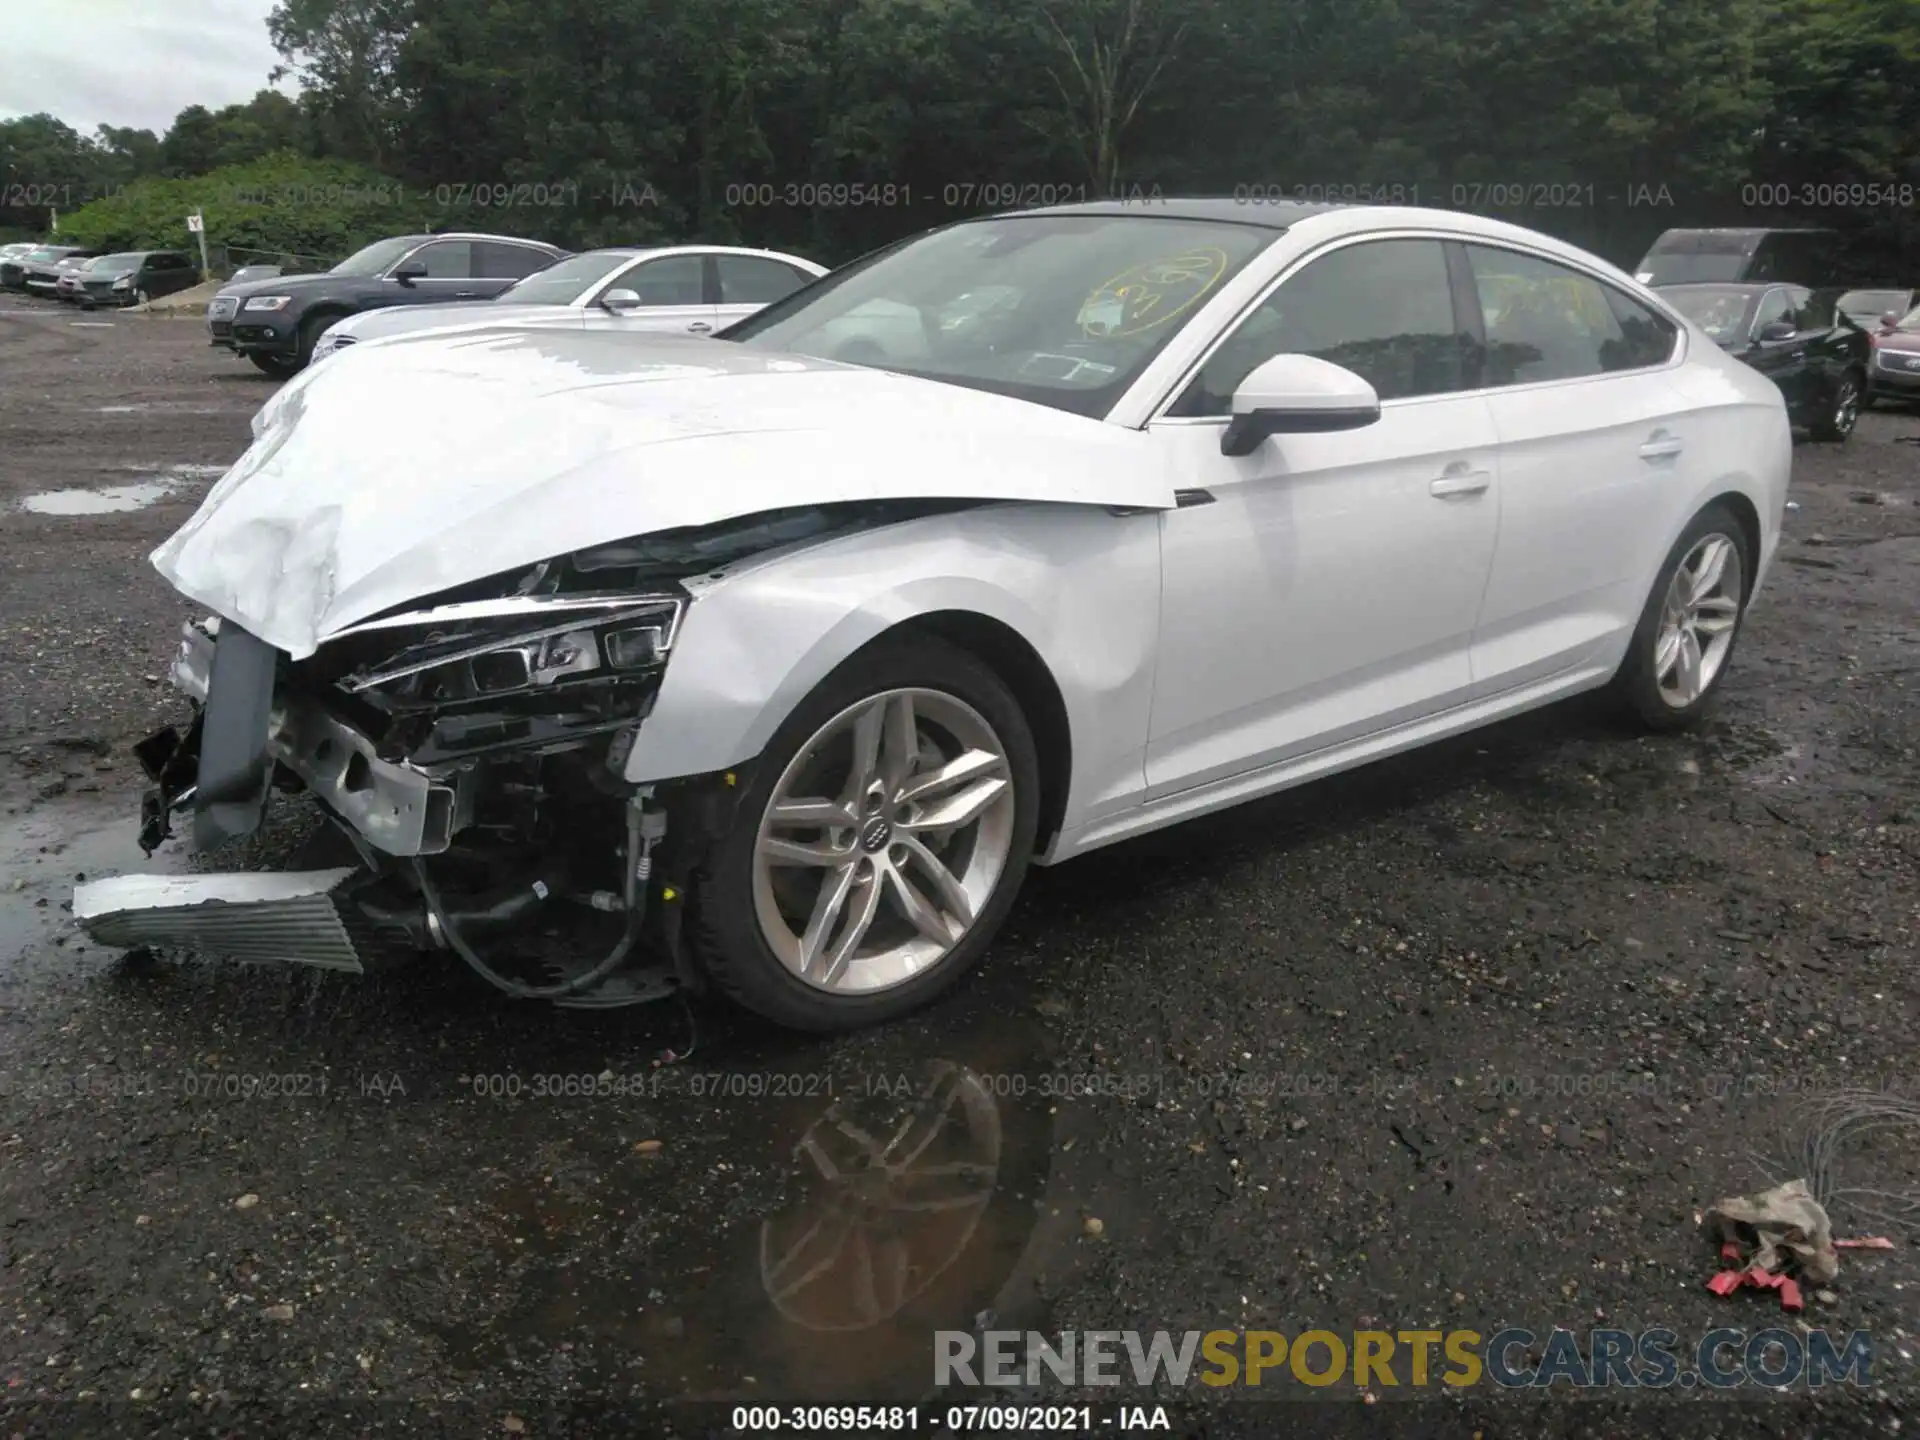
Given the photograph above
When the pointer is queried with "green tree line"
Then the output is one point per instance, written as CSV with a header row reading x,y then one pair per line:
x,y
832,126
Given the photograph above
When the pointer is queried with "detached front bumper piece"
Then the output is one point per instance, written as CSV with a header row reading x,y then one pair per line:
x,y
266,917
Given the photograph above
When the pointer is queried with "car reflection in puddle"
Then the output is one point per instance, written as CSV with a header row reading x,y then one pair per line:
x,y
895,1191
781,1248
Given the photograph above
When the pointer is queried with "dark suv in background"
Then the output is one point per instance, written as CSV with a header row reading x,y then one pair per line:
x,y
1741,257
275,323
128,277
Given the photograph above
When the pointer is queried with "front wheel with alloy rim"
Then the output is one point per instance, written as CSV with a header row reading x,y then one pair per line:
x,y
880,843
1843,411
1680,649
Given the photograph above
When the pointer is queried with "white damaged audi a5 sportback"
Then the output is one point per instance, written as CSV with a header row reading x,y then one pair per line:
x,y
769,662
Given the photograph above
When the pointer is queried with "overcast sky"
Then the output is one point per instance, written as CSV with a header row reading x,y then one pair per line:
x,y
131,62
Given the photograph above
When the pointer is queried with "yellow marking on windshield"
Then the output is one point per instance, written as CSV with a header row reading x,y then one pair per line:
x,y
1146,296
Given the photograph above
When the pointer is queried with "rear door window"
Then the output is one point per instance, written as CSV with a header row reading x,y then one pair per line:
x,y
495,261
753,280
1545,321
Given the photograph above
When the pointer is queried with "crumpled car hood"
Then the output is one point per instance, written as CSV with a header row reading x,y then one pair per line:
x,y
391,472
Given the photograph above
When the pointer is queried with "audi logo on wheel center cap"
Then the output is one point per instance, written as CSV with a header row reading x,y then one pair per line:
x,y
875,834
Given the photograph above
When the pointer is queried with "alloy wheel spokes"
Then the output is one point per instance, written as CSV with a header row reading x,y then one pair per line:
x,y
883,840
955,793
1697,620
917,911
1707,574
1715,615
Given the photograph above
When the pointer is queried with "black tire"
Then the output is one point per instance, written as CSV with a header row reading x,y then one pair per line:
x,y
311,330
1636,685
1842,410
727,932
278,366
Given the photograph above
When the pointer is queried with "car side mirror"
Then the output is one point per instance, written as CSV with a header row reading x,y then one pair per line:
x,y
1890,319
619,300
1297,395
1777,330
409,271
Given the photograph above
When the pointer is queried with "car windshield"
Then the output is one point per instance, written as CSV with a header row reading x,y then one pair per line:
x,y
1065,310
1720,310
567,281
115,262
1910,321
1872,303
45,253
376,258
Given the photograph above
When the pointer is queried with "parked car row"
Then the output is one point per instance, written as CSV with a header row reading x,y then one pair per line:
x,y
90,278
36,269
681,289
1758,294
410,283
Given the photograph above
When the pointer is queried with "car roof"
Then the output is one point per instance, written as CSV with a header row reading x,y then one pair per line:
x,y
1275,215
480,235
1749,231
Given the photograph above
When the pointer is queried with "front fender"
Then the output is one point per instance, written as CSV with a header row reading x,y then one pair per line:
x,y
1080,584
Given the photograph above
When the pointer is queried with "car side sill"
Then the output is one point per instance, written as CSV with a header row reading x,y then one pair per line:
x,y
1237,789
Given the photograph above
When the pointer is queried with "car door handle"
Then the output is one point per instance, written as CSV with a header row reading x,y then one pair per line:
x,y
1461,482
1662,446
699,327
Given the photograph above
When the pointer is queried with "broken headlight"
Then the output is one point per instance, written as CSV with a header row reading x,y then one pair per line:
x,y
529,649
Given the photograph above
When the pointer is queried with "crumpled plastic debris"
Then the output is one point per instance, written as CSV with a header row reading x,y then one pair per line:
x,y
1770,1234
1778,1229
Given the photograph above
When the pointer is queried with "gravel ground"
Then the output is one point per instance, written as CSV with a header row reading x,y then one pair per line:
x,y
1466,1039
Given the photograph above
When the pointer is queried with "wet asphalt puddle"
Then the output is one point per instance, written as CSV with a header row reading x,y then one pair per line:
x,y
44,853
113,499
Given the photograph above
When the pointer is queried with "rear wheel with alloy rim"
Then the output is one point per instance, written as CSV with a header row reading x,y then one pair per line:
x,y
880,844
1685,638
1843,413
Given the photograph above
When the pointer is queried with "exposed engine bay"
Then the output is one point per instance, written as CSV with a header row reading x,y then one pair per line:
x,y
471,748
